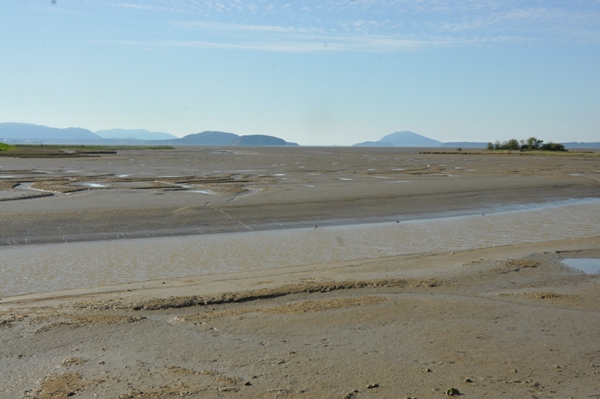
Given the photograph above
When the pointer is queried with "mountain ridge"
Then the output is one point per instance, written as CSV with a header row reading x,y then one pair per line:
x,y
404,138
29,131
134,134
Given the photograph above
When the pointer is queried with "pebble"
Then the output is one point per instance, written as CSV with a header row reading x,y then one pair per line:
x,y
372,386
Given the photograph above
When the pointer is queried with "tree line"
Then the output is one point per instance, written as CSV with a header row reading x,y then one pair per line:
x,y
531,144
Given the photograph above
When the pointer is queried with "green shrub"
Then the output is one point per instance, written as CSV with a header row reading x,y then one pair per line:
x,y
550,146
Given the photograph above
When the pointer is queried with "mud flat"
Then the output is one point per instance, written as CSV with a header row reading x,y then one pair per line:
x,y
503,318
156,193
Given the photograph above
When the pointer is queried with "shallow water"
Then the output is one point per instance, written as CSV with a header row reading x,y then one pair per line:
x,y
52,267
586,265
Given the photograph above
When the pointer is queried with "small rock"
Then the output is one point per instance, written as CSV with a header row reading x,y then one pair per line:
x,y
372,386
247,383
452,392
428,370
468,380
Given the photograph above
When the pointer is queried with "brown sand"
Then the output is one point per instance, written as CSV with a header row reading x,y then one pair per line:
x,y
506,322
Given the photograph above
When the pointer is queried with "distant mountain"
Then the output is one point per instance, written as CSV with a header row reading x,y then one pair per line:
x,y
374,144
134,134
207,138
24,131
258,139
402,139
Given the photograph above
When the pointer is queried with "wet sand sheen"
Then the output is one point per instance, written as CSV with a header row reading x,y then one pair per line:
x,y
52,267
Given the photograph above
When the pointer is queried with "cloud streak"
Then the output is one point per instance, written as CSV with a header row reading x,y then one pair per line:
x,y
323,44
366,25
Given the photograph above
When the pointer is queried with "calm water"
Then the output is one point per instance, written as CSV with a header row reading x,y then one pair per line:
x,y
51,267
586,265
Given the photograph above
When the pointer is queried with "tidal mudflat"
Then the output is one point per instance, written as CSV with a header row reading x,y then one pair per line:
x,y
55,267
299,273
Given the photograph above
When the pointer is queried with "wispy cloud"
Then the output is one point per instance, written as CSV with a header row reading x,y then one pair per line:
x,y
366,25
215,26
314,44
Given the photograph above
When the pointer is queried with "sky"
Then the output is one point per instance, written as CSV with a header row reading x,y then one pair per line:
x,y
322,72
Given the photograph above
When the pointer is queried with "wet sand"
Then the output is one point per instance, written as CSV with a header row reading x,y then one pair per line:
x,y
163,193
504,321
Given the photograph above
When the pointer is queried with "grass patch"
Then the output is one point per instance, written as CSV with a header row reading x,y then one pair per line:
x,y
570,154
70,151
5,147
83,148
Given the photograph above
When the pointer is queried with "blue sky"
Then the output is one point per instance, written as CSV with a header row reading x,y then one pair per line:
x,y
313,72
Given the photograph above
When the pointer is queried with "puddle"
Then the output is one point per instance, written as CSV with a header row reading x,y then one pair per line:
x,y
399,181
6,177
343,178
27,186
279,174
200,192
94,185
380,177
586,265
24,186
122,175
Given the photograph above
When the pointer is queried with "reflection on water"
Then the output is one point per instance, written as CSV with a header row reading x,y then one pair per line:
x,y
586,265
51,267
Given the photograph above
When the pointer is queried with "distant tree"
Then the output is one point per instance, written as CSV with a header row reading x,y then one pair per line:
x,y
512,144
550,146
533,143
